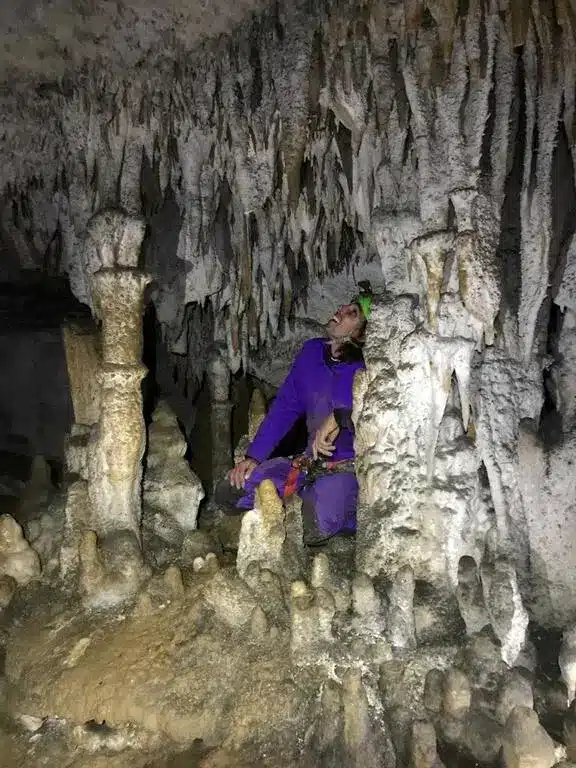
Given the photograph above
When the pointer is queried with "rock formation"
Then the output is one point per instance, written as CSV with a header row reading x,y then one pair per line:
x,y
171,491
218,375
17,559
253,179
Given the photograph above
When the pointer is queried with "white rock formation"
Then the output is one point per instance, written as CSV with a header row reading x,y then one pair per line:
x,y
171,491
548,482
567,661
271,536
17,558
432,519
507,613
401,609
526,743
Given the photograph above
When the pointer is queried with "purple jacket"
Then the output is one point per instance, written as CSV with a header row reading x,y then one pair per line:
x,y
314,387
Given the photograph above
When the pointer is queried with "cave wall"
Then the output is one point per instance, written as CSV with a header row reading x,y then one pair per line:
x,y
35,406
319,144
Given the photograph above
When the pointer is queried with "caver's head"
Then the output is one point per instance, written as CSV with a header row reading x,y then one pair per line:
x,y
349,322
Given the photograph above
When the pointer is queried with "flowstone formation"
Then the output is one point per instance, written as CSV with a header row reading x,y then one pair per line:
x,y
426,146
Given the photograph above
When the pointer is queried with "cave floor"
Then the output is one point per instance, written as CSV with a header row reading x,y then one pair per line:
x,y
19,748
189,667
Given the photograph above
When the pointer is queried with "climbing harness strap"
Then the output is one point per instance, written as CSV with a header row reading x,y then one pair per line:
x,y
312,469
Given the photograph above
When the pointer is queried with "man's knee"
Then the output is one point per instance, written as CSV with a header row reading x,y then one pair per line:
x,y
329,507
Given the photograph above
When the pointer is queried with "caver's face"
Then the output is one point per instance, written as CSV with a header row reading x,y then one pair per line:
x,y
347,323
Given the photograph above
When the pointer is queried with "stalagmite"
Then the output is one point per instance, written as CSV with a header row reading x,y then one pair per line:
x,y
567,661
507,613
526,743
8,587
171,491
433,690
116,453
365,743
111,568
423,749
268,536
82,347
457,694
218,374
311,614
17,558
256,413
39,485
322,577
470,596
516,691
367,606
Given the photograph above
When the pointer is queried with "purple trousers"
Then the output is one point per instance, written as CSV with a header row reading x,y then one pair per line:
x,y
328,503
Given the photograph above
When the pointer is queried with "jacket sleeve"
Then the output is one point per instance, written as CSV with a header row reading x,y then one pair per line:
x,y
286,409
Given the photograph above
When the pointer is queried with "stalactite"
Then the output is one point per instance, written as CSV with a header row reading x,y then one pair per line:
x,y
356,109
543,103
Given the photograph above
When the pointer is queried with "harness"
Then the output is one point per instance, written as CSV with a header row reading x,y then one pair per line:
x,y
312,469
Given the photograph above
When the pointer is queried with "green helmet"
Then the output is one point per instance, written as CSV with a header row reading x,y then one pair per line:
x,y
364,298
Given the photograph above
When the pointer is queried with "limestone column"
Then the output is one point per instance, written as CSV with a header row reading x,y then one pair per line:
x,y
115,471
82,349
218,377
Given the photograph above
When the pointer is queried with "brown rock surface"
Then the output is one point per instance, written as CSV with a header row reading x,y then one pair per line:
x,y
178,671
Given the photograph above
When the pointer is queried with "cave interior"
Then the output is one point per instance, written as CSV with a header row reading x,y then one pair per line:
x,y
188,192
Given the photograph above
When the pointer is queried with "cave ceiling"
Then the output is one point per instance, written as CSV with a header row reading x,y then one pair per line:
x,y
272,145
47,40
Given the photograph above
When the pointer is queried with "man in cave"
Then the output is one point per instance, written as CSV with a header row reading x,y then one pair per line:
x,y
319,388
